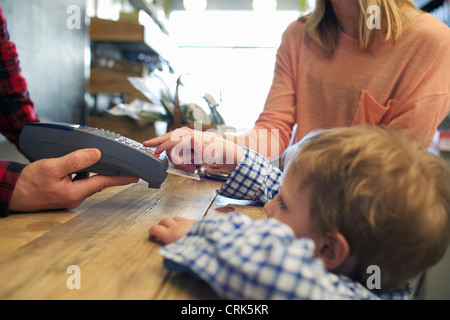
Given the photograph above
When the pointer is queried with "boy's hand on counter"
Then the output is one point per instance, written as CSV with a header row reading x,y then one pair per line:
x,y
170,230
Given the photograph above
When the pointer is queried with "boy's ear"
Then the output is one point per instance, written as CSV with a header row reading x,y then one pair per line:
x,y
334,251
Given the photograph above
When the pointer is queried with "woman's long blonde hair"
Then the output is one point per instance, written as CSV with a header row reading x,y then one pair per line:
x,y
323,26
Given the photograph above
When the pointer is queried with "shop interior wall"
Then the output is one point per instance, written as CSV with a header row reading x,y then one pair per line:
x,y
51,40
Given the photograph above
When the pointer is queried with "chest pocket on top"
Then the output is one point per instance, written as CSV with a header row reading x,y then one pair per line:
x,y
369,111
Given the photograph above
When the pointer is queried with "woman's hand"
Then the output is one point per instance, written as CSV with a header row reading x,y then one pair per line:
x,y
187,149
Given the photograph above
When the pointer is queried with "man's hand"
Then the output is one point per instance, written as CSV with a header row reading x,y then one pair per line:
x,y
169,230
45,184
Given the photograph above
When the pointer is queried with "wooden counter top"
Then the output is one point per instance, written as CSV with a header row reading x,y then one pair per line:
x,y
106,237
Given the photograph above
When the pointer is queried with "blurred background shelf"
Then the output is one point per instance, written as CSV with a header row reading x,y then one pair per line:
x,y
136,33
134,45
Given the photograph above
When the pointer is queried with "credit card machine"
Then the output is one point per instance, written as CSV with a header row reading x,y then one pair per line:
x,y
121,156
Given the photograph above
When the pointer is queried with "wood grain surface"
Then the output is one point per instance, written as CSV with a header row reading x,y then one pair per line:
x,y
107,238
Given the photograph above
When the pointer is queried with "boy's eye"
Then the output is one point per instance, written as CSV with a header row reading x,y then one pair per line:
x,y
281,202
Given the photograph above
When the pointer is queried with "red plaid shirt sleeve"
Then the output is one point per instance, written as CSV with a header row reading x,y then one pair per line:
x,y
16,109
9,173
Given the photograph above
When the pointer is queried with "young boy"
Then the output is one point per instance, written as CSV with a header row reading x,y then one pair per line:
x,y
360,211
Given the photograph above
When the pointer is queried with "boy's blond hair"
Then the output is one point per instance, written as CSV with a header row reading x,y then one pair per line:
x,y
384,192
323,26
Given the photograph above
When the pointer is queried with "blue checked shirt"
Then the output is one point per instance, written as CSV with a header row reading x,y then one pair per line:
x,y
242,258
254,178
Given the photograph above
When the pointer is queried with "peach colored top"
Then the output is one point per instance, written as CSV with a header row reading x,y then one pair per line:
x,y
405,85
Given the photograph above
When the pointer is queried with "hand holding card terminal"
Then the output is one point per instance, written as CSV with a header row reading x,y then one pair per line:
x,y
121,156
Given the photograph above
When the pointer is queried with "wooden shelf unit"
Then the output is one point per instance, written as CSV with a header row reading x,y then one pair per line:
x,y
132,35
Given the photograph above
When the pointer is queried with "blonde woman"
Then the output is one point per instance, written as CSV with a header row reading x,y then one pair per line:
x,y
379,62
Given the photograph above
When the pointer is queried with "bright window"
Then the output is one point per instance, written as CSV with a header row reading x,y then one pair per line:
x,y
233,55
